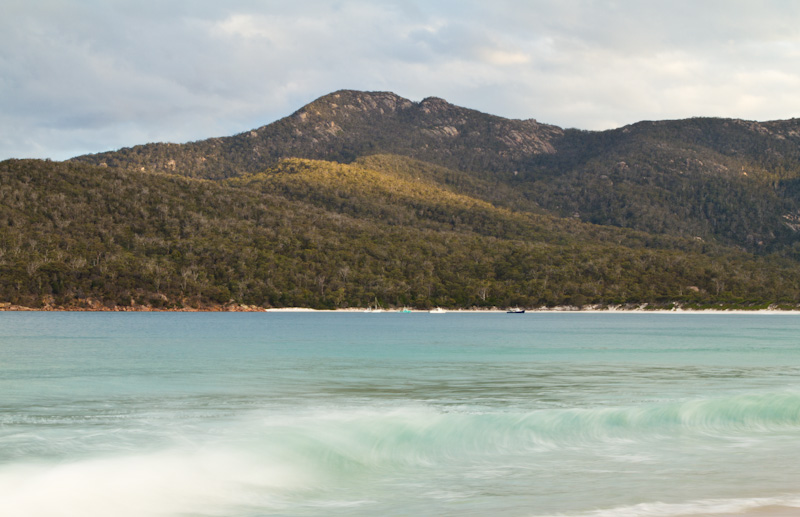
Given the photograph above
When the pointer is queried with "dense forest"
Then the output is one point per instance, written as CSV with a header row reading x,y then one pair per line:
x,y
363,199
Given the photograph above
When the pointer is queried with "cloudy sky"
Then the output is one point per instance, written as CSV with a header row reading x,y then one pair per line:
x,y
80,76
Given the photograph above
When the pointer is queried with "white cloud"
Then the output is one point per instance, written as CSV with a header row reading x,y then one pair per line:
x,y
242,25
503,57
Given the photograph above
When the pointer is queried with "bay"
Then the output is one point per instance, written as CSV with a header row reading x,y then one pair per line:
x,y
250,414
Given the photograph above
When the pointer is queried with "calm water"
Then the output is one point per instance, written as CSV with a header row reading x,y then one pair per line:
x,y
397,414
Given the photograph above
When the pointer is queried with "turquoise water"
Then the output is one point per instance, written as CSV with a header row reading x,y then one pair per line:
x,y
165,414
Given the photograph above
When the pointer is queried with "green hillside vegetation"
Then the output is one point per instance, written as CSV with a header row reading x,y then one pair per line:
x,y
393,196
730,181
495,192
660,180
333,235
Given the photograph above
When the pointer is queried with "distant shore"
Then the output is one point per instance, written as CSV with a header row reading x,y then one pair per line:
x,y
642,309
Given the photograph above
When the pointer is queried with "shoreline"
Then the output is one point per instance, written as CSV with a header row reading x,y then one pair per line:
x,y
540,310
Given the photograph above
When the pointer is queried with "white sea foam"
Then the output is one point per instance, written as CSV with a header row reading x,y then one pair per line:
x,y
701,508
161,484
271,459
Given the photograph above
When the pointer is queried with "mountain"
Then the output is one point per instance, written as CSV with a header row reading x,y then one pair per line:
x,y
365,196
345,125
732,181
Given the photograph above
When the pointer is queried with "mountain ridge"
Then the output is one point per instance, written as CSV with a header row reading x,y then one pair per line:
x,y
726,179
364,122
321,119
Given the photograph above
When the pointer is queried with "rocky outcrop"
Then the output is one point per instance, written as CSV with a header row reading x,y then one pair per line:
x,y
348,124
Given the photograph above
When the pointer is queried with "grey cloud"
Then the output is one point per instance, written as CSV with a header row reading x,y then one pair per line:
x,y
99,74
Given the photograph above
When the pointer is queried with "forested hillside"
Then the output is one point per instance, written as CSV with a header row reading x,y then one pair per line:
x,y
365,198
330,235
734,181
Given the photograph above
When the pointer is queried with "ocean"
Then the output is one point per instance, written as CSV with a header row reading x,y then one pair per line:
x,y
463,414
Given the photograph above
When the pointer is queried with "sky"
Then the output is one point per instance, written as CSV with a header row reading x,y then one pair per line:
x,y
86,76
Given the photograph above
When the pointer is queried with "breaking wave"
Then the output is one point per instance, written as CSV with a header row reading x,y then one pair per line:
x,y
346,458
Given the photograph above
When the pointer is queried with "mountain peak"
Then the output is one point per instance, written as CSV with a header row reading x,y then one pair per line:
x,y
347,124
344,101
